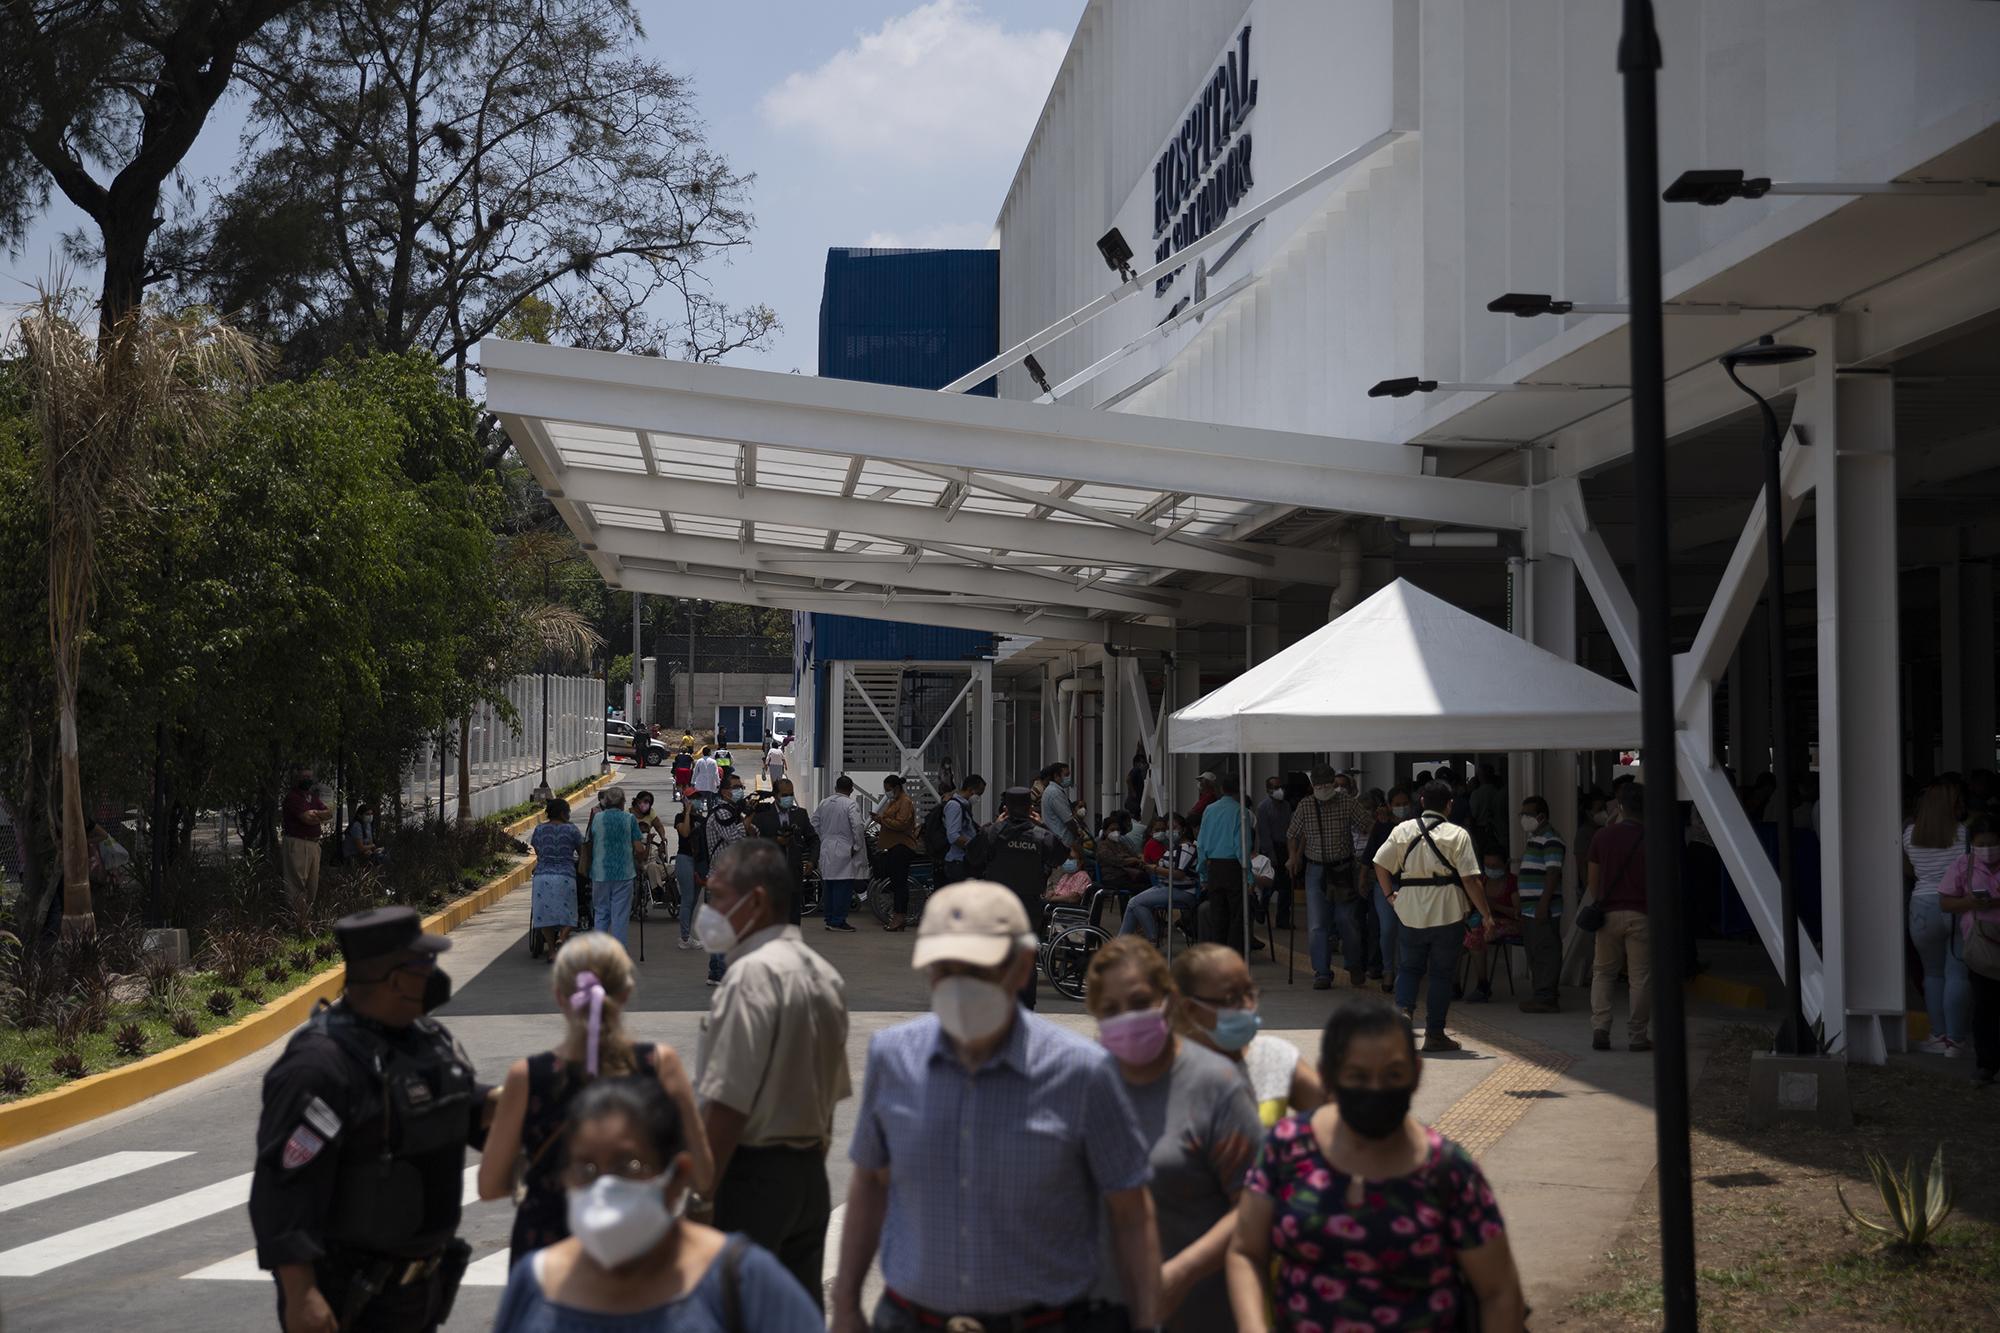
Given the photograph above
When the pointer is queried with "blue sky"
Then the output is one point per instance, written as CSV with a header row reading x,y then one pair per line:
x,y
883,122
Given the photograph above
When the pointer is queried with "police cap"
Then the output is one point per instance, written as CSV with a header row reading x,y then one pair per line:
x,y
383,931
1017,798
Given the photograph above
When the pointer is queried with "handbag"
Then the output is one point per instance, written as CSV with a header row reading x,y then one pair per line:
x,y
1979,950
1591,916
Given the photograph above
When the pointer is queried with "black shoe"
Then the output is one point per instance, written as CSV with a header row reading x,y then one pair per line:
x,y
1642,1044
1600,1041
1482,995
1322,983
1356,980
1437,1041
1388,987
840,926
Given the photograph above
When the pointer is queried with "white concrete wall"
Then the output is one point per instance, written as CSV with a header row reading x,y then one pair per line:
x,y
1512,182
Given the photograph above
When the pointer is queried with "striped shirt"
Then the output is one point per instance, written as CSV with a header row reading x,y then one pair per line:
x,y
1930,863
996,1177
1541,866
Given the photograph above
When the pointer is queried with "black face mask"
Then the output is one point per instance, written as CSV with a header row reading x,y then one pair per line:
x,y
437,989
305,784
1373,1113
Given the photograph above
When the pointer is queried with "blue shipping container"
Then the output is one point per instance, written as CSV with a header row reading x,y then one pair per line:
x,y
917,318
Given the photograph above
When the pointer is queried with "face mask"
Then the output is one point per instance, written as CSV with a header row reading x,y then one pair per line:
x,y
1069,866
1530,823
716,929
1235,1027
1496,872
1399,812
1136,1038
1373,1113
970,1008
437,989
616,1220
1275,793
1987,856
643,808
1325,793
305,784
1600,817
786,802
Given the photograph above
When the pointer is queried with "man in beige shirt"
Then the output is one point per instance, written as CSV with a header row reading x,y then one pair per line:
x,y
1431,874
772,1061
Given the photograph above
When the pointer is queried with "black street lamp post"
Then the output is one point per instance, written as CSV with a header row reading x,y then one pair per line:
x,y
1792,1039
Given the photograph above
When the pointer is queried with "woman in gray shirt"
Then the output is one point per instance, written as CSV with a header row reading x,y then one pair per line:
x,y
1193,1108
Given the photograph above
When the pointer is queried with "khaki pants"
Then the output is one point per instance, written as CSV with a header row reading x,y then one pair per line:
x,y
1624,938
301,872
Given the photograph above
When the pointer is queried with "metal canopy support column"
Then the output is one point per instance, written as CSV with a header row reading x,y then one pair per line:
x,y
836,719
1854,417
1951,669
1243,777
1975,616
984,752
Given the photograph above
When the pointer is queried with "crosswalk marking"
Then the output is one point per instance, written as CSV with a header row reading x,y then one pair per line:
x,y
84,1241
96,1171
243,1267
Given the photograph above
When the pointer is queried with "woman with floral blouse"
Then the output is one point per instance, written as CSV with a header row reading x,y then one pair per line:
x,y
1357,1216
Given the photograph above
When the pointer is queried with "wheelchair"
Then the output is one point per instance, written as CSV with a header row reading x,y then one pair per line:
x,y
1071,936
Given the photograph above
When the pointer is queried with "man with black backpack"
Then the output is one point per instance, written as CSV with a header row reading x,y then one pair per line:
x,y
949,828
1432,876
1018,852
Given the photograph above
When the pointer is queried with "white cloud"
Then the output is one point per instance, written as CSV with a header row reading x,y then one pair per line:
x,y
942,83
942,236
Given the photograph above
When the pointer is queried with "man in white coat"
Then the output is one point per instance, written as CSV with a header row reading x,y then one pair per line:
x,y
842,827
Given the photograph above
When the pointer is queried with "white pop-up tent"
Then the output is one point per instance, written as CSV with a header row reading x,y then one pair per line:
x,y
1405,670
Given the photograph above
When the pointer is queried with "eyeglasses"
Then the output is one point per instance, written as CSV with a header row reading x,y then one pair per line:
x,y
582,1175
1239,999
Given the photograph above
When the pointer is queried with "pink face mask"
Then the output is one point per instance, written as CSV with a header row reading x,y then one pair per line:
x,y
1136,1038
1986,856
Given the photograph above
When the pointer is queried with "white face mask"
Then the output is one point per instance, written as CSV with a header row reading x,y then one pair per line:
x,y
1600,817
616,1220
1529,823
1324,793
715,929
970,1008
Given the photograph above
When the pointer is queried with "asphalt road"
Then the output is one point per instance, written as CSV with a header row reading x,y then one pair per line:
x,y
138,1220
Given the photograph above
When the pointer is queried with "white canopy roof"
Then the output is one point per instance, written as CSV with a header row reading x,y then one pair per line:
x,y
1406,670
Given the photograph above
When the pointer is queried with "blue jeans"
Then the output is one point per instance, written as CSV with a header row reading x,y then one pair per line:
x,y
612,901
1139,911
1391,928
1930,931
1432,952
840,897
684,877
1324,916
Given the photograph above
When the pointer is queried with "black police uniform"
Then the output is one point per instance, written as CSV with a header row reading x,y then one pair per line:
x,y
361,1150
1018,852
793,831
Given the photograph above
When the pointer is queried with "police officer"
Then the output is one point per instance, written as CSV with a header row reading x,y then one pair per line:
x,y
361,1146
1017,851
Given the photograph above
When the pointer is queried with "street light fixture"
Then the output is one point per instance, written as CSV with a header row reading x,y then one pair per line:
x,y
1036,373
1527,305
1766,351
1117,253
1409,384
1713,187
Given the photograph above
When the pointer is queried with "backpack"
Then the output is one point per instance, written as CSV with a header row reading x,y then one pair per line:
x,y
933,834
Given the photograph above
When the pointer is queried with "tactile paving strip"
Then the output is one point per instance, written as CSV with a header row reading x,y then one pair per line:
x,y
1528,1068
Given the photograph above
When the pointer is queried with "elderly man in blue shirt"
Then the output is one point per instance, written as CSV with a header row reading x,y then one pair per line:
x,y
990,1147
1219,863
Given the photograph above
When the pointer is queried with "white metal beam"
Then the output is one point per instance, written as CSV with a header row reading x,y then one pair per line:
x,y
1080,542
1055,499
1575,538
849,419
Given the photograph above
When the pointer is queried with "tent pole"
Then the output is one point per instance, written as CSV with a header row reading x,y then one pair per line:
x,y
1164,744
1243,776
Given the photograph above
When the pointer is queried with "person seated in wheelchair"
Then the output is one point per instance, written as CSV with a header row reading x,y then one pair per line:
x,y
1119,868
1503,897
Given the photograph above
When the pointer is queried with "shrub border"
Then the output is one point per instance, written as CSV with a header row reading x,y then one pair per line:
x,y
127,1085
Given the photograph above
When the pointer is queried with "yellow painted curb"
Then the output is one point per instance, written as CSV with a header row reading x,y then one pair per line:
x,y
115,1089
1719,990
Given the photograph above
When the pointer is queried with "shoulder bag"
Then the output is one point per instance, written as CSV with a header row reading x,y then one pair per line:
x,y
1591,916
1980,949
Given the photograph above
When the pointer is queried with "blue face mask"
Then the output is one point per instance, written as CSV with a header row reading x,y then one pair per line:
x,y
1235,1027
1069,866
785,802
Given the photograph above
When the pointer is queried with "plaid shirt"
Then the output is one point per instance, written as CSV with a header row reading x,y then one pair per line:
x,y
1327,830
997,1178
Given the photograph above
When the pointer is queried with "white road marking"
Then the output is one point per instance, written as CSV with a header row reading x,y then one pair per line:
x,y
488,1272
243,1267
96,1171
97,1237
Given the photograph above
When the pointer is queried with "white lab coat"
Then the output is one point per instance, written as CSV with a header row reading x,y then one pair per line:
x,y
843,838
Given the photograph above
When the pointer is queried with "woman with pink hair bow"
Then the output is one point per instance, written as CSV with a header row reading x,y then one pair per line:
x,y
593,984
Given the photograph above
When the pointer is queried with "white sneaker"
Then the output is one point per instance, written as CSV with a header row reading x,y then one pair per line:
x,y
1934,1046
687,943
1953,1049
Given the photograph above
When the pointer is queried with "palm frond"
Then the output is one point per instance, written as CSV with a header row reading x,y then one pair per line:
x,y
559,630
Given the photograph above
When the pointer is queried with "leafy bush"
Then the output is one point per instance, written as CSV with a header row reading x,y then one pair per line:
x,y
274,970
1914,1216
253,993
130,1041
302,959
184,1023
68,1064
326,950
13,1078
166,985
233,954
221,1003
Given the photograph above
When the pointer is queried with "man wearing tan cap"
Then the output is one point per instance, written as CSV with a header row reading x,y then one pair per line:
x,y
989,1148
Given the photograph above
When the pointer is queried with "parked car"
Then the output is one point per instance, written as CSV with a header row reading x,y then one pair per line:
x,y
619,741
